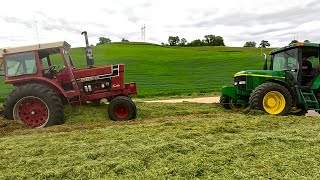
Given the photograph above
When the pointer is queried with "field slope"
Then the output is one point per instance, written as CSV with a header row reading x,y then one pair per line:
x,y
161,71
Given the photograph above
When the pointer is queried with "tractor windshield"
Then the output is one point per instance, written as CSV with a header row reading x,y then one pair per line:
x,y
68,58
285,60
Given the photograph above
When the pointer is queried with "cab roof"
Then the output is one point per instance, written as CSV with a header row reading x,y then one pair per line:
x,y
35,47
305,44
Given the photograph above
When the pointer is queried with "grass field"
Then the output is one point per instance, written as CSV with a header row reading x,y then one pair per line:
x,y
162,71
175,141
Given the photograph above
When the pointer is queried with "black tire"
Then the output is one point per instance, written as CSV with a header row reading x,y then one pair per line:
x,y
47,102
122,108
224,101
257,96
299,112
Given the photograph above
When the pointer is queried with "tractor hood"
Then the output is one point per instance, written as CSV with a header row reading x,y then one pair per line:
x,y
262,73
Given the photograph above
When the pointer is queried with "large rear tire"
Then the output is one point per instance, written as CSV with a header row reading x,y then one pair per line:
x,y
122,108
34,105
272,98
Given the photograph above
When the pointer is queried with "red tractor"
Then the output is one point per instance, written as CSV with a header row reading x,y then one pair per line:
x,y
45,79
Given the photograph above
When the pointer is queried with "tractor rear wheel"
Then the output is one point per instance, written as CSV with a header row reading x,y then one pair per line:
x,y
34,105
272,98
122,108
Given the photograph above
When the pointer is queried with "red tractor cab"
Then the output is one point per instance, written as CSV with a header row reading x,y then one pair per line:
x,y
45,79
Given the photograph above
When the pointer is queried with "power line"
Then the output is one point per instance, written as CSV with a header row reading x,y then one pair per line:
x,y
35,23
143,31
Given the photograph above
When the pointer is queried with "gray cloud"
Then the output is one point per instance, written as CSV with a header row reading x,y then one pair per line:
x,y
15,20
294,16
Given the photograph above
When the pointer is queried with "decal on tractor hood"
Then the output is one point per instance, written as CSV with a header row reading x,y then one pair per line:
x,y
115,72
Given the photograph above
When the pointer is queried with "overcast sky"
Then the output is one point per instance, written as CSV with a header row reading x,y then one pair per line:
x,y
237,21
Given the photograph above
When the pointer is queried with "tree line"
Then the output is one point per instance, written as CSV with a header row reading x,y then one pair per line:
x,y
209,40
104,40
265,43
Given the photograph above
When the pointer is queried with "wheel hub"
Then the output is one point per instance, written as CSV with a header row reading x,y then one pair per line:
x,y
271,102
121,111
31,111
274,102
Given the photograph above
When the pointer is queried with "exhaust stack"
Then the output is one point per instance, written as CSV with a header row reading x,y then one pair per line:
x,y
89,53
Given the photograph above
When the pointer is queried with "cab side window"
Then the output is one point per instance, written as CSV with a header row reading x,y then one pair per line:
x,y
21,64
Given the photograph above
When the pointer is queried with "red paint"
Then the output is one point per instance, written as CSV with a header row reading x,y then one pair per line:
x,y
33,112
112,76
121,111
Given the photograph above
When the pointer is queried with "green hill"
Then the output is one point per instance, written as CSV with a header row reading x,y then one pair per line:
x,y
161,71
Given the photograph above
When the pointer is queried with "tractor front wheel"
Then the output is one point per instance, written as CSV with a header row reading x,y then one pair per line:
x,y
298,111
34,105
224,101
228,103
122,108
272,98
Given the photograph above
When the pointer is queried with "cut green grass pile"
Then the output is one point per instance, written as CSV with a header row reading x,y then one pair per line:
x,y
166,71
174,141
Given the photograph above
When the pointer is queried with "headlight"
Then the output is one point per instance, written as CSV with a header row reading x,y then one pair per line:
x,y
242,82
235,83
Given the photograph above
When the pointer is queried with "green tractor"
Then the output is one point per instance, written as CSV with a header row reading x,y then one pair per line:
x,y
291,85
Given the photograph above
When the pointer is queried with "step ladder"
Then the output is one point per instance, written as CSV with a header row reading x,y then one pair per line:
x,y
309,100
74,99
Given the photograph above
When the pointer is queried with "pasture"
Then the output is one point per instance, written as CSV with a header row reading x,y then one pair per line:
x,y
166,141
164,71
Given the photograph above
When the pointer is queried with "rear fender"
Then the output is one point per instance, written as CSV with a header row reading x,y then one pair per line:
x,y
54,86
316,83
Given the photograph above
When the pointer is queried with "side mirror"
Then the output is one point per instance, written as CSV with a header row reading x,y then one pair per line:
x,y
265,66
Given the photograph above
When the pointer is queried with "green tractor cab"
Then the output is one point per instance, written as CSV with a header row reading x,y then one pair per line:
x,y
291,85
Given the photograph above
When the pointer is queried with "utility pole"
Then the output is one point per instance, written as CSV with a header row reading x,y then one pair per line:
x,y
143,31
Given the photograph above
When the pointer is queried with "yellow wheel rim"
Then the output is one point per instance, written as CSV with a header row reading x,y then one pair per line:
x,y
274,102
235,107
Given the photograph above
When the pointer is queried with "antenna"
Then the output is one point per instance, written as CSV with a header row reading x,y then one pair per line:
x,y
143,31
35,23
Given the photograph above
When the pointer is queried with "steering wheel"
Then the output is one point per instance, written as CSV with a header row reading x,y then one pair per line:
x,y
52,67
292,66
49,69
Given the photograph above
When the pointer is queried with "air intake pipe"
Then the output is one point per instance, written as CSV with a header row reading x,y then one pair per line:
x,y
89,53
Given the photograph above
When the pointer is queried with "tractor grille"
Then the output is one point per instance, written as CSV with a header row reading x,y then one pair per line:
x,y
240,82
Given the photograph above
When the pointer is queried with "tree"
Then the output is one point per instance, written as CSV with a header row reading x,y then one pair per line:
x,y
173,40
124,40
212,40
196,42
103,40
209,40
264,44
183,42
294,41
219,41
250,44
306,41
